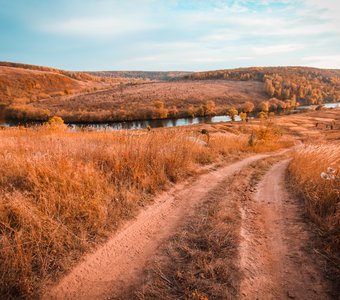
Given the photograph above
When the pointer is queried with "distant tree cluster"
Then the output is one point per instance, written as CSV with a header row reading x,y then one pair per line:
x,y
289,84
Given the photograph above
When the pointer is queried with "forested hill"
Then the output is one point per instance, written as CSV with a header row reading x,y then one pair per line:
x,y
303,84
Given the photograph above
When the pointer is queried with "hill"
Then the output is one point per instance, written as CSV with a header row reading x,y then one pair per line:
x,y
142,74
22,83
154,100
34,93
306,85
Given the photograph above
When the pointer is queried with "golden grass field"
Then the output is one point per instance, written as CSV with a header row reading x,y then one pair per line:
x,y
63,192
315,173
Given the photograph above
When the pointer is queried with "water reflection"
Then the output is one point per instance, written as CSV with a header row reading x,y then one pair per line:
x,y
326,105
155,123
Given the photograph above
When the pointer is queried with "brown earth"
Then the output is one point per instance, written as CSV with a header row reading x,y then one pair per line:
x,y
273,249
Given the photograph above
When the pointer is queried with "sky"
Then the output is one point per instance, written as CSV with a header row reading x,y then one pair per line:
x,y
169,35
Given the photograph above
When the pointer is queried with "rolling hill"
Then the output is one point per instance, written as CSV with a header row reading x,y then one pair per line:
x,y
34,93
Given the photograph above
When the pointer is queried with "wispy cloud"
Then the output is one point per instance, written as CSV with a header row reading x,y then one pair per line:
x,y
323,61
265,50
98,27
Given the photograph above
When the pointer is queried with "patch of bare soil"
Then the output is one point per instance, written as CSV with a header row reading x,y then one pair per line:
x,y
121,260
273,253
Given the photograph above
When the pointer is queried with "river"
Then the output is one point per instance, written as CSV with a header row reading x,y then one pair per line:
x,y
163,122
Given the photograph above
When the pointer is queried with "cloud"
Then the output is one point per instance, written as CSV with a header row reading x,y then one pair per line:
x,y
97,27
323,61
168,34
265,50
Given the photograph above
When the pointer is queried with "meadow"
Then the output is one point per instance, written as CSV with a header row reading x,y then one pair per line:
x,y
63,192
154,100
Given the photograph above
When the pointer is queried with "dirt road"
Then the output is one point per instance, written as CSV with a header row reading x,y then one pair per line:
x,y
122,259
274,263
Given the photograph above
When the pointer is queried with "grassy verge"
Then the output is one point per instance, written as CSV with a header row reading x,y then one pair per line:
x,y
314,174
201,261
62,192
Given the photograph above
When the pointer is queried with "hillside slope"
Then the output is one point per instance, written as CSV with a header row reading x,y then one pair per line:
x,y
306,85
22,83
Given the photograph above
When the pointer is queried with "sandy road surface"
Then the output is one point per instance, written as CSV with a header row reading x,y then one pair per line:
x,y
273,261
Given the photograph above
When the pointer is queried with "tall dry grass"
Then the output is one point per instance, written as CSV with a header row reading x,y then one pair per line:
x,y
63,192
319,186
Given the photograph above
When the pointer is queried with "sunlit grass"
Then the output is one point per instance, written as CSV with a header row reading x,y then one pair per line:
x,y
62,192
315,172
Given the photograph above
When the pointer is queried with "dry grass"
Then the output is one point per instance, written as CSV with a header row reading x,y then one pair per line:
x,y
320,189
63,192
23,86
137,101
306,125
59,191
201,259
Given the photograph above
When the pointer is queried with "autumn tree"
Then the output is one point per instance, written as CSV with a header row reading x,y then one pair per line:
x,y
191,111
173,111
269,88
243,116
209,108
264,106
248,107
160,110
232,112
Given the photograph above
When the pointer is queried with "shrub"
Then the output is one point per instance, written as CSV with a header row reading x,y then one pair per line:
x,y
56,123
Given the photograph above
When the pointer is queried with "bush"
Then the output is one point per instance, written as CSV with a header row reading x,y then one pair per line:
x,y
56,123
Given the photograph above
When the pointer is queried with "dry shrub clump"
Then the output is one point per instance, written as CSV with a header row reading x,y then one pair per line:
x,y
268,137
61,192
315,174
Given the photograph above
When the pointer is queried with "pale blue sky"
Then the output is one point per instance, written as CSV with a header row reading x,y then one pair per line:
x,y
170,34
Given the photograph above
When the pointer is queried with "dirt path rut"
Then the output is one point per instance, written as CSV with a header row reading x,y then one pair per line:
x,y
273,260
121,260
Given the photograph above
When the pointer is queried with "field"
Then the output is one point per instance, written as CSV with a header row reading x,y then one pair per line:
x,y
66,193
180,98
63,192
169,150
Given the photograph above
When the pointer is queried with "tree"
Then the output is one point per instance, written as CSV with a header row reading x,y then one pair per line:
x,y
209,108
269,88
173,111
160,110
264,106
248,107
243,116
232,112
191,111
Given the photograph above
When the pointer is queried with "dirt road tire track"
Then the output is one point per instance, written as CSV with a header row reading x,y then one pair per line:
x,y
274,263
121,260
